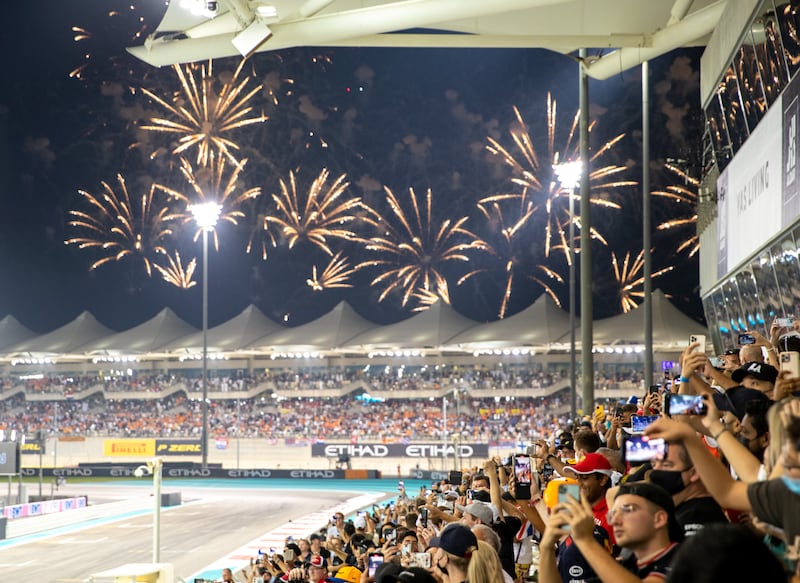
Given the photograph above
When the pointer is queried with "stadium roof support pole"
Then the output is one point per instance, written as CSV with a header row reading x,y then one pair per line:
x,y
587,331
646,229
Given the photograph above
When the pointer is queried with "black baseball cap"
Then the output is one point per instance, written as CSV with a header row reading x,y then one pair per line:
x,y
661,498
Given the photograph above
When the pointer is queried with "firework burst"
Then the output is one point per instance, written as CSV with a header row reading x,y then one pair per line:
x,y
203,117
335,275
416,251
320,214
176,274
120,228
210,184
538,181
684,195
630,279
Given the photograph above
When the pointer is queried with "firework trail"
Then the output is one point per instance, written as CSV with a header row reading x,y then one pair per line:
x,y
414,252
685,196
176,274
335,275
202,117
119,227
630,281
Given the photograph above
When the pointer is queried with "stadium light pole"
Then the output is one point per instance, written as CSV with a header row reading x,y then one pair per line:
x,y
206,216
568,175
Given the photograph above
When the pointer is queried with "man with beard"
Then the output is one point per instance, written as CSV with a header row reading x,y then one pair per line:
x,y
694,506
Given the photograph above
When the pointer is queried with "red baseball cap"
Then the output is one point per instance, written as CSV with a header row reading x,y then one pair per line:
x,y
593,462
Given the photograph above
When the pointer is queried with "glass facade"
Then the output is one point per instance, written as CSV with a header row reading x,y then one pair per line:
x,y
751,298
768,56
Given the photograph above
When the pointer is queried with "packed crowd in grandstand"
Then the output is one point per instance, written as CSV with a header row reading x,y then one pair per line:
x,y
697,482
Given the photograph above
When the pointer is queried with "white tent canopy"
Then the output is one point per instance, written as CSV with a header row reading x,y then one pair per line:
x,y
540,324
151,336
671,327
69,339
231,336
327,332
12,332
429,329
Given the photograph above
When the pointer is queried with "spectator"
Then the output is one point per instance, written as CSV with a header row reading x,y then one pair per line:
x,y
694,506
772,501
643,519
455,547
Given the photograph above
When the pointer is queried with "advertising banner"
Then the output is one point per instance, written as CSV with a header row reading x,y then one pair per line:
x,y
178,447
402,450
194,471
750,193
129,447
32,447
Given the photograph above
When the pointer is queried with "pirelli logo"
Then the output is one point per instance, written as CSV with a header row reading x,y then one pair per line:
x,y
129,447
175,447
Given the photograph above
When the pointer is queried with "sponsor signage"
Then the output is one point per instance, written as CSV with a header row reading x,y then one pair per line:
x,y
44,507
194,471
178,447
129,447
758,193
32,447
410,450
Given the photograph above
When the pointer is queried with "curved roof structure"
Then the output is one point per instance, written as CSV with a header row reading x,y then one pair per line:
x,y
629,31
540,324
232,336
327,332
429,329
151,336
69,339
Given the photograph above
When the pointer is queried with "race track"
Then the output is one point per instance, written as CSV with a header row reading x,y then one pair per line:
x,y
220,523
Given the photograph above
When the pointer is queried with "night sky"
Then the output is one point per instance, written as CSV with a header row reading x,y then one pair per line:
x,y
396,117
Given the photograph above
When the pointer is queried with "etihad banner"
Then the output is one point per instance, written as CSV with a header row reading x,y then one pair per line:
x,y
129,447
412,450
178,447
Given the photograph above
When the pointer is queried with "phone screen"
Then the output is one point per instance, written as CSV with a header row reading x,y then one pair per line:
x,y
522,470
747,339
640,422
685,405
423,517
640,448
373,562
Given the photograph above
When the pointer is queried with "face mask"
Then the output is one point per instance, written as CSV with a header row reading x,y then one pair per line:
x,y
792,483
671,481
442,569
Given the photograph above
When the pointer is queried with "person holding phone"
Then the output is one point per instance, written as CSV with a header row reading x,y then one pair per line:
x,y
593,474
643,519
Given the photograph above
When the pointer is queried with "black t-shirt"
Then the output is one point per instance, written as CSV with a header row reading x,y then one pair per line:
x,y
572,566
507,530
694,514
658,565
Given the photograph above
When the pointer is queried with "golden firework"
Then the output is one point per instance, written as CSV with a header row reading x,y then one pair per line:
x,y
540,184
414,253
335,275
176,274
320,214
119,228
218,183
684,195
203,117
630,279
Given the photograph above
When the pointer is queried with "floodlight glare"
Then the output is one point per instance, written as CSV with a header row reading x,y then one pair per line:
x,y
568,174
206,214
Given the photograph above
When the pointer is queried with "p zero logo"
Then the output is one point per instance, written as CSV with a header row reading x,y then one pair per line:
x,y
171,447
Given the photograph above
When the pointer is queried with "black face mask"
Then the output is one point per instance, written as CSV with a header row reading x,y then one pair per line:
x,y
748,443
671,481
